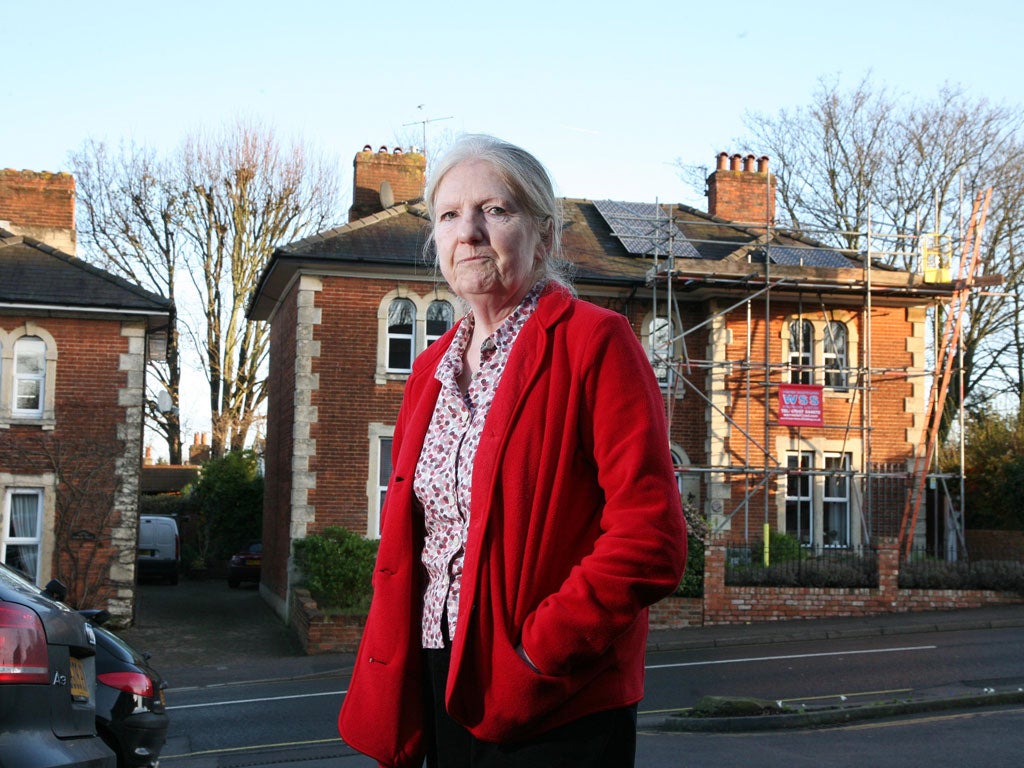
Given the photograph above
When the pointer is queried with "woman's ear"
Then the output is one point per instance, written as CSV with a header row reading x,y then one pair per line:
x,y
546,232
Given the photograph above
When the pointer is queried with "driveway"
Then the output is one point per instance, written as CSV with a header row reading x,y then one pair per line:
x,y
204,632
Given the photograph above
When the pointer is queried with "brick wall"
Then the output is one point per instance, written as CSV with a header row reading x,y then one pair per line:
x,y
742,190
404,172
39,205
279,446
318,632
737,605
349,399
95,488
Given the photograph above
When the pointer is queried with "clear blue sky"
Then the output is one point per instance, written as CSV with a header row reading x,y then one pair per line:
x,y
607,94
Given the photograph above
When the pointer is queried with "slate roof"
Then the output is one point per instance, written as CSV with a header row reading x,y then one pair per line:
x,y
604,239
34,274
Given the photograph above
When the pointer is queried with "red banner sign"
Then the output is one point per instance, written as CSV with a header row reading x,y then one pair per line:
x,y
800,405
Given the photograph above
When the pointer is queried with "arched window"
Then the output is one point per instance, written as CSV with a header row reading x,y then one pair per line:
x,y
29,376
440,317
801,352
834,355
401,335
659,348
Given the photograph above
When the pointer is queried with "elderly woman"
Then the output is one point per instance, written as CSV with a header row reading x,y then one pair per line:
x,y
532,515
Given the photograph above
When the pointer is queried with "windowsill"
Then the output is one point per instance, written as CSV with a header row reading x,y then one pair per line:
x,y
46,423
384,378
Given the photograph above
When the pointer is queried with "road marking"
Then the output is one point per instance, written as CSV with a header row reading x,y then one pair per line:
x,y
792,656
230,750
649,666
257,701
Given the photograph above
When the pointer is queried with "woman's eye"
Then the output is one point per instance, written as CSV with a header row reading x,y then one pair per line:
x,y
447,216
496,210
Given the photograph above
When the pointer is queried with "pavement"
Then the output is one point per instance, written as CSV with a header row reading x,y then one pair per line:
x,y
202,633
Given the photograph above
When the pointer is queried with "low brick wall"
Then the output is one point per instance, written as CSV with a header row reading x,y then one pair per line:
x,y
739,605
677,612
319,633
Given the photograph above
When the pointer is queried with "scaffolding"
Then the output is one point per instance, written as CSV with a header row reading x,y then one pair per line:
x,y
884,497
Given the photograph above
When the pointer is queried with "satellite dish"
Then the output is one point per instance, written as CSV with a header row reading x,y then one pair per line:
x,y
387,196
163,401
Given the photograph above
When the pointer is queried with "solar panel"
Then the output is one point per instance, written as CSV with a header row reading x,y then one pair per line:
x,y
787,255
645,229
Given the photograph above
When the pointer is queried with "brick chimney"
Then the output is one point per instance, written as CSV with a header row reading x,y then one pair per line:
x,y
199,452
742,190
39,205
380,179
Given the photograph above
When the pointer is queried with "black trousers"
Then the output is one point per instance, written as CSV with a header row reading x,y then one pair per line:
x,y
602,740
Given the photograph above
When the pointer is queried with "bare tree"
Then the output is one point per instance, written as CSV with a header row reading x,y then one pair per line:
x,y
863,160
213,210
130,210
244,194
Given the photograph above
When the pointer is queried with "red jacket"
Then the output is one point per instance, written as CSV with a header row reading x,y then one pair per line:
x,y
575,528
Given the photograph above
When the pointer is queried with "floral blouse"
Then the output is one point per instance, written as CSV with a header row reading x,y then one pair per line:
x,y
444,474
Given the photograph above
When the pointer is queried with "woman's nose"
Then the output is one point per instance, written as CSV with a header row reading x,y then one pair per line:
x,y
471,228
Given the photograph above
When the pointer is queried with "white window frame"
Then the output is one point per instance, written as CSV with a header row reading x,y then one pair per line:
x,y
393,337
835,493
380,441
803,498
44,415
8,540
801,351
430,338
830,369
844,488
420,340
835,361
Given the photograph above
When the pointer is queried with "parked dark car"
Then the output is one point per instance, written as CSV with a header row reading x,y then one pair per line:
x,y
47,681
130,710
245,565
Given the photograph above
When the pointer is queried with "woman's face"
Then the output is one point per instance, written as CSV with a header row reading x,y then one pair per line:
x,y
488,246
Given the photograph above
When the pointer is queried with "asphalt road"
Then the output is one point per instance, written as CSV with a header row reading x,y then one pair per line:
x,y
238,677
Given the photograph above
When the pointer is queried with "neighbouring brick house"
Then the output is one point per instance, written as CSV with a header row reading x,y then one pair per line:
x,y
792,371
74,343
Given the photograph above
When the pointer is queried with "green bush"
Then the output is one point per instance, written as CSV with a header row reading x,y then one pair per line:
x,y
993,470
692,584
782,548
337,566
167,504
827,568
928,573
228,503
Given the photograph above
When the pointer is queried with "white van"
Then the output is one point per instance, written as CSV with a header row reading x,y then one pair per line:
x,y
159,553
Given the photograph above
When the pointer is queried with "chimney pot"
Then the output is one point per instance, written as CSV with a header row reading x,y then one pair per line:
x,y
723,161
367,148
742,198
404,172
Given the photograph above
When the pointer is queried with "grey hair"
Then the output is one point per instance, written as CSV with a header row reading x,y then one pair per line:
x,y
530,184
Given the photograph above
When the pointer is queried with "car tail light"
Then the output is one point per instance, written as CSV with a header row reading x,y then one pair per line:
x,y
131,682
23,654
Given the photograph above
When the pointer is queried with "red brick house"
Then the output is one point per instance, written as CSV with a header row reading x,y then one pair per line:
x,y
74,343
791,370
